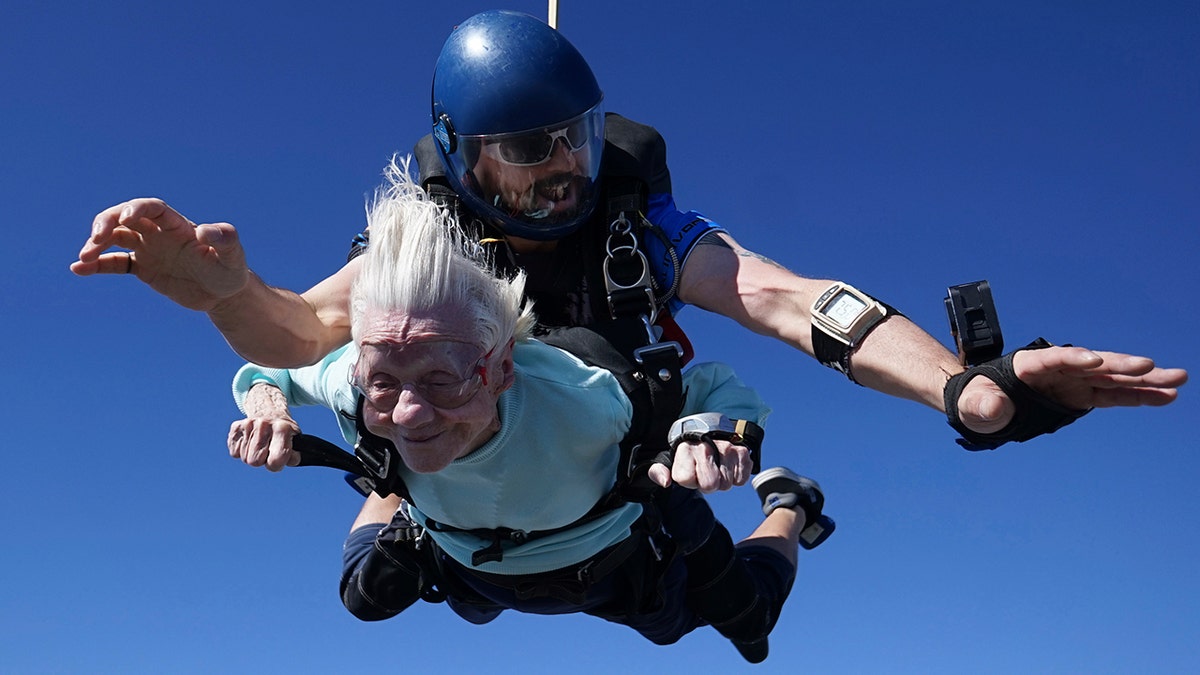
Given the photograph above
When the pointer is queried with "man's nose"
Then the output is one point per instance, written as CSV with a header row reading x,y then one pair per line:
x,y
411,409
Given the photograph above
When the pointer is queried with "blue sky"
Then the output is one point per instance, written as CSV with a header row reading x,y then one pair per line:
x,y
1052,148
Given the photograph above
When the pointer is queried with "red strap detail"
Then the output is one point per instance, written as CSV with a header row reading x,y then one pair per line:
x,y
672,332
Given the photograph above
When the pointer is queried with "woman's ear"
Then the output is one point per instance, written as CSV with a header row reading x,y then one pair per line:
x,y
507,376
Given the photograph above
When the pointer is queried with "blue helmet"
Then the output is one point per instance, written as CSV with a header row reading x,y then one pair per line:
x,y
518,124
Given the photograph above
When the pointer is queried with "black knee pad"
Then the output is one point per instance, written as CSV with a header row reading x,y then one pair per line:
x,y
722,592
389,580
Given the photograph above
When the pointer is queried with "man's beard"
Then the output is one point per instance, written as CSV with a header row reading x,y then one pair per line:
x,y
542,201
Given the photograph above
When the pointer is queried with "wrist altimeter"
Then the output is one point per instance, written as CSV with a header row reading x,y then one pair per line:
x,y
841,317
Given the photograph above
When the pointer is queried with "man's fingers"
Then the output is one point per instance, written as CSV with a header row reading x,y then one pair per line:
x,y
1123,370
1032,363
1132,396
137,215
1081,378
117,262
1159,377
84,269
122,225
113,262
102,228
150,213
1035,361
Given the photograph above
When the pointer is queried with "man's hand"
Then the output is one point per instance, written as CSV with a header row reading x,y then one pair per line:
x,y
1076,378
708,467
195,266
265,436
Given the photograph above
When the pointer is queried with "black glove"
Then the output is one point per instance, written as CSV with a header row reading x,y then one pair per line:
x,y
1035,414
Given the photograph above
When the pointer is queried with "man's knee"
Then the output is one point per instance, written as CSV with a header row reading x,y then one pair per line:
x,y
738,591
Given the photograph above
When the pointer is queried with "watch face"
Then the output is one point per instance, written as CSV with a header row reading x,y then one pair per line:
x,y
844,308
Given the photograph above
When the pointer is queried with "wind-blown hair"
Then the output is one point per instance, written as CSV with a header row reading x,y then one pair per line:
x,y
418,260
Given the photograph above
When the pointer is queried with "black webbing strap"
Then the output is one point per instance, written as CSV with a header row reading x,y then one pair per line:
x,y
570,584
374,463
316,451
652,379
646,444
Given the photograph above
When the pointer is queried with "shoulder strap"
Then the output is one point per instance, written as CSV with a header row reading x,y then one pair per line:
x,y
429,162
652,380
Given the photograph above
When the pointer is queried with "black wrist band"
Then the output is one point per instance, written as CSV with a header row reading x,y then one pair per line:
x,y
833,353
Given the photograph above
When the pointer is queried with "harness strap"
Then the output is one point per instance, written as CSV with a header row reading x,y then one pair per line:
x,y
571,584
662,376
657,366
494,552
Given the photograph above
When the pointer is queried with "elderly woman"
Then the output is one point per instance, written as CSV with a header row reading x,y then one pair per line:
x,y
500,432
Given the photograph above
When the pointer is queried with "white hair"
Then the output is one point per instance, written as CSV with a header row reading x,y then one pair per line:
x,y
418,260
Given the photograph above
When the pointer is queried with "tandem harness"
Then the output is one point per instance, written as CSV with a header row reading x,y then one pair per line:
x,y
649,372
627,344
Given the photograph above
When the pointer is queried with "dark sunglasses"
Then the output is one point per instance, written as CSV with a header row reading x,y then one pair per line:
x,y
537,147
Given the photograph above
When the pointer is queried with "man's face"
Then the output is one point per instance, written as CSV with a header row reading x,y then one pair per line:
x,y
429,386
552,191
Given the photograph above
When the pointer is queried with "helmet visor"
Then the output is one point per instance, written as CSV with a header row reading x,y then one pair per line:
x,y
542,178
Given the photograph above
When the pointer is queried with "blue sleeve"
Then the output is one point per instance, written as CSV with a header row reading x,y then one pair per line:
x,y
678,232
714,387
325,383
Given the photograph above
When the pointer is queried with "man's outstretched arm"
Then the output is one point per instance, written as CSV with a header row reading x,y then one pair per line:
x,y
203,267
900,359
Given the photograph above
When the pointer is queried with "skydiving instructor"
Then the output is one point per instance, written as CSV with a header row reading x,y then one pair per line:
x,y
522,146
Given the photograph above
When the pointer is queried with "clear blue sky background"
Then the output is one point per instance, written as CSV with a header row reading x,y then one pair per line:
x,y
1049,147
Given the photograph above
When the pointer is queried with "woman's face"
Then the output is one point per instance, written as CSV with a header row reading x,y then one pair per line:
x,y
430,388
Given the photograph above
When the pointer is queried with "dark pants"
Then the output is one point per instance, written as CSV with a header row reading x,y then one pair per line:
x,y
701,579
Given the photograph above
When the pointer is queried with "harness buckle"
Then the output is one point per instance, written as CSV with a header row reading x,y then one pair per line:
x,y
375,459
656,351
648,323
627,278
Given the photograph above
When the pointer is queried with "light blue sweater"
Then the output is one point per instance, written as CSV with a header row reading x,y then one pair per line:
x,y
554,457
